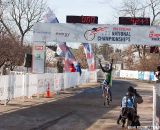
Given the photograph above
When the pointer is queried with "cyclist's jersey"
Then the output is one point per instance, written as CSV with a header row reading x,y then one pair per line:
x,y
109,78
128,102
108,74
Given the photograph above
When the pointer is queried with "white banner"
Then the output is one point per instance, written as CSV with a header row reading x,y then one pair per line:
x,y
58,81
38,59
71,79
96,33
92,76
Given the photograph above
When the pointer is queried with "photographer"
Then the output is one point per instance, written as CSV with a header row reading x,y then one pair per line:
x,y
129,101
157,74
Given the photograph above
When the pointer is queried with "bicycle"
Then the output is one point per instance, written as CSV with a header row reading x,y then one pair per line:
x,y
106,94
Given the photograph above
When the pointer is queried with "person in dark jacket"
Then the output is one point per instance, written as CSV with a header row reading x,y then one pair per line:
x,y
59,66
157,74
129,103
78,68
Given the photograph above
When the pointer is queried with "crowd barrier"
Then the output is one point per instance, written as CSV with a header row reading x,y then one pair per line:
x,y
20,84
27,84
131,74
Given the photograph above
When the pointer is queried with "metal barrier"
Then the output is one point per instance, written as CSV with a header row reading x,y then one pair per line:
x,y
156,106
20,84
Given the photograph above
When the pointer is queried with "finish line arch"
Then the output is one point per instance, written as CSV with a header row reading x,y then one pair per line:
x,y
96,33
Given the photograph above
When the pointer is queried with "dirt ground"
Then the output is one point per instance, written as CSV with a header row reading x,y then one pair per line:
x,y
78,108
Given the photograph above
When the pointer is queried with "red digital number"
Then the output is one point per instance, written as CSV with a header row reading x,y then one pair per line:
x,y
88,19
139,21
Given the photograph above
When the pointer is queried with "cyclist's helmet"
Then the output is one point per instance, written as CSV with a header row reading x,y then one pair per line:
x,y
105,82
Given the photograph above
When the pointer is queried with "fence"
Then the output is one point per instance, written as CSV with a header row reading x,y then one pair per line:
x,y
19,84
131,74
25,84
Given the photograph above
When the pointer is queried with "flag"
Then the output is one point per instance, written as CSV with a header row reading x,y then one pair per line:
x,y
69,57
50,17
89,55
62,48
88,50
60,52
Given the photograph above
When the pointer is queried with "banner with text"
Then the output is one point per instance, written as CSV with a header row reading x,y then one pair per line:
x,y
97,33
38,59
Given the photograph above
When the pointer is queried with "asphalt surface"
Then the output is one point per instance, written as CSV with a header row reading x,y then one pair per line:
x,y
78,108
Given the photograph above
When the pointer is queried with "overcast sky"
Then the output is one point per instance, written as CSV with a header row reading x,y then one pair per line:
x,y
106,10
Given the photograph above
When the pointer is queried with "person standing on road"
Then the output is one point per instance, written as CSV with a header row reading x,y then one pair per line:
x,y
127,103
59,66
157,74
130,101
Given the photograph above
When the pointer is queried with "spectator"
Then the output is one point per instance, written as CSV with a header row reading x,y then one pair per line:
x,y
157,74
59,66
72,68
78,68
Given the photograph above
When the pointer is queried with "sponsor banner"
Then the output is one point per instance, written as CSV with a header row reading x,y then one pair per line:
x,y
4,87
58,81
146,75
140,75
71,79
92,76
30,87
97,33
45,81
38,59
152,76
129,74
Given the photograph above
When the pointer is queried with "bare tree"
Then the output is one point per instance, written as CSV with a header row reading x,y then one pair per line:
x,y
106,51
80,56
20,15
11,52
142,8
129,57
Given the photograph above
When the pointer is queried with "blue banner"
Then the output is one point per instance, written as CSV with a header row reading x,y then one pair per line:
x,y
151,77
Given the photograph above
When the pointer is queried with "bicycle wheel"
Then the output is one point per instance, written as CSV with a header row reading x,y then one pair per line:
x,y
108,101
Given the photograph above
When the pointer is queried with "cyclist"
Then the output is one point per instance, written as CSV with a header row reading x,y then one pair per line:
x,y
106,88
108,70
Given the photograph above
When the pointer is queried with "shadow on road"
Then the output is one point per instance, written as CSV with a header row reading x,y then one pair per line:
x,y
77,112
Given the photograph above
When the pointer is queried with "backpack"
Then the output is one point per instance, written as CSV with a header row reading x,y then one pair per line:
x,y
128,102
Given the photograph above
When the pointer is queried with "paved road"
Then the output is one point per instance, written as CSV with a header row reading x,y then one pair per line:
x,y
77,109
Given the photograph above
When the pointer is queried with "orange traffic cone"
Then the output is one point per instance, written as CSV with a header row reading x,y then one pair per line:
x,y
48,91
